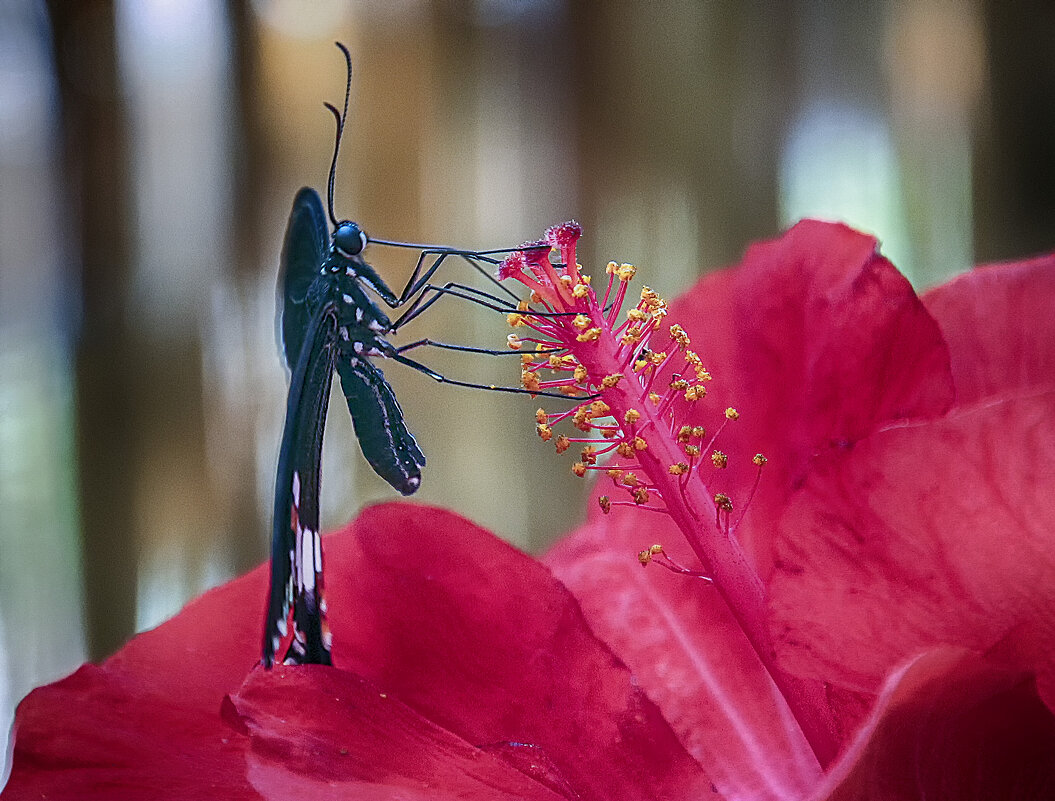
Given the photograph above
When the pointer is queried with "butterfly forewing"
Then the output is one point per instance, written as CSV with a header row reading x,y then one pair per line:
x,y
303,251
296,555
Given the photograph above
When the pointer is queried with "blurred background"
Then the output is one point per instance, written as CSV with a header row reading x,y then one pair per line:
x,y
150,151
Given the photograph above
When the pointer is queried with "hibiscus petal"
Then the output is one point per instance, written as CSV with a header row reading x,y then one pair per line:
x,y
817,341
936,532
325,733
1000,328
482,640
683,645
484,646
949,725
98,734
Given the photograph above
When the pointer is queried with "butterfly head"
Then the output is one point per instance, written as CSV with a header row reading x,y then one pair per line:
x,y
349,239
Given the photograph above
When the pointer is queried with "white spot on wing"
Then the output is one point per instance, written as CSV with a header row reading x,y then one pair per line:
x,y
309,543
348,299
296,489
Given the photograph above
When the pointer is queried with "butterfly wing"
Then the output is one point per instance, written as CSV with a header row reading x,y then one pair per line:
x,y
303,251
296,555
385,440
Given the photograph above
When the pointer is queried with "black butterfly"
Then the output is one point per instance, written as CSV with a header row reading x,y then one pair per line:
x,y
329,322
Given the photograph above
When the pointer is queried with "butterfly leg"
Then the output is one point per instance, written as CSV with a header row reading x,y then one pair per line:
x,y
421,368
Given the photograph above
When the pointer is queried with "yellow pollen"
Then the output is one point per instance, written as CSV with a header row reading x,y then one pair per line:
x,y
702,375
514,342
640,444
657,357
605,503
580,291
678,469
599,408
698,431
535,297
630,480
631,416
692,450
610,381
541,417
641,496
590,335
632,335
693,358
614,474
523,306
530,380
610,433
640,365
649,296
589,455
625,271
759,459
563,443
720,460
625,450
526,359
644,557
677,333
654,397
580,373
544,432
636,315
515,319
582,419
721,500
566,280
679,385
554,362
579,469
571,392
684,433
580,321
695,392
732,414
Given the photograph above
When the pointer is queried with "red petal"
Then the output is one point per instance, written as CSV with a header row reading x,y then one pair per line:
x,y
817,341
483,641
472,635
949,725
322,733
686,650
999,324
937,532
99,734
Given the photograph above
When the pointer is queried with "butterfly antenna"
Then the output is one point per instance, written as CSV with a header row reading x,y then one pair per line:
x,y
340,117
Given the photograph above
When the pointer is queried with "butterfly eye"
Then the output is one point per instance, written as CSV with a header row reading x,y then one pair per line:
x,y
349,239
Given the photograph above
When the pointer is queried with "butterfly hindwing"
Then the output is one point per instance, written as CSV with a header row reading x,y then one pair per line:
x,y
296,556
303,251
385,440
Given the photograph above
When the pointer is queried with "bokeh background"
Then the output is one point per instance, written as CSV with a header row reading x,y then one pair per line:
x,y
150,150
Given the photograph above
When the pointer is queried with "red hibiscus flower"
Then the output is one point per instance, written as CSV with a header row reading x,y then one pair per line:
x,y
903,529
866,611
